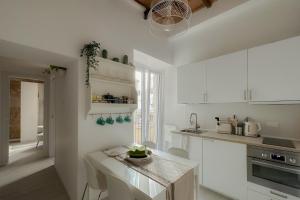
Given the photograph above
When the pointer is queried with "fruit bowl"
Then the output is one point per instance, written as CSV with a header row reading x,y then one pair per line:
x,y
138,154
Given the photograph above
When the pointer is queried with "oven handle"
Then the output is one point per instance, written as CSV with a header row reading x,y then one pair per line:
x,y
267,164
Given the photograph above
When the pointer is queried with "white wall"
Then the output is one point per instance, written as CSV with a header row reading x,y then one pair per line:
x,y
62,27
41,104
29,111
253,23
2,158
66,127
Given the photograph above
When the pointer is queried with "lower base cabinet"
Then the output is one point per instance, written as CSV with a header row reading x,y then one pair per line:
x,y
258,192
253,195
195,153
225,168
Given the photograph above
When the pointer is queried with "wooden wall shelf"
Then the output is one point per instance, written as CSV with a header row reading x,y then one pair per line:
x,y
116,79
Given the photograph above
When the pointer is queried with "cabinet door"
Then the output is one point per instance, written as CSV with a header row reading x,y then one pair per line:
x,y
252,195
227,78
195,153
191,83
273,71
225,168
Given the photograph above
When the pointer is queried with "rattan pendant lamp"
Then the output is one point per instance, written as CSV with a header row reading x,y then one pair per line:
x,y
169,17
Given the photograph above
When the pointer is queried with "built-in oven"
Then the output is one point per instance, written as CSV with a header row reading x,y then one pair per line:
x,y
275,169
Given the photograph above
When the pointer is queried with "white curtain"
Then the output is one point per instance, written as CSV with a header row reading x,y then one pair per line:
x,y
147,125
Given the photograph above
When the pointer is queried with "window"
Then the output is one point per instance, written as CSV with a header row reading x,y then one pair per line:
x,y
147,116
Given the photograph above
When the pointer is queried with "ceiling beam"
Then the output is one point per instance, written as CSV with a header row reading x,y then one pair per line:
x,y
146,12
207,3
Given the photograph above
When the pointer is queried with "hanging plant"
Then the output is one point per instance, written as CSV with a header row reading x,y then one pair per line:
x,y
90,50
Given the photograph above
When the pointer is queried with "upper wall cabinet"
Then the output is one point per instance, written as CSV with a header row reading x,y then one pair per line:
x,y
191,83
227,78
273,71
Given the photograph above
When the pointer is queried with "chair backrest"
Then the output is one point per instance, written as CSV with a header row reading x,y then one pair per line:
x,y
118,189
149,144
167,131
95,178
178,152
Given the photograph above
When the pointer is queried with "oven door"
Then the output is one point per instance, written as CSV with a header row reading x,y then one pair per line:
x,y
277,176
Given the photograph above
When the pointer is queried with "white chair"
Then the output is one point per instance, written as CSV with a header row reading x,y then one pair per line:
x,y
149,144
95,179
118,189
40,135
39,138
178,152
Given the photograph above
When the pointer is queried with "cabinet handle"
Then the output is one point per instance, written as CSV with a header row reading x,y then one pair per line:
x,y
245,95
280,195
205,97
250,94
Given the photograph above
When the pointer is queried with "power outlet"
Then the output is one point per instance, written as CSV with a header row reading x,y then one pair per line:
x,y
273,124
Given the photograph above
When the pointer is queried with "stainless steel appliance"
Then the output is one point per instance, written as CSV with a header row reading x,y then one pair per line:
x,y
275,169
252,129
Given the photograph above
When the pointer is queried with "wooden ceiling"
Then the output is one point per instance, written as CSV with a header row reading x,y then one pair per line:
x,y
194,4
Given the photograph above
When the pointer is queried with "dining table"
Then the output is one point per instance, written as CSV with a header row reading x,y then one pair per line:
x,y
163,177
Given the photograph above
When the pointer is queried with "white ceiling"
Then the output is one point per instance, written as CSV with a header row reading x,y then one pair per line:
x,y
218,7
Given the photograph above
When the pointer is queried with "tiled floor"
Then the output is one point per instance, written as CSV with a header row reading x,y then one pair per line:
x,y
206,194
42,185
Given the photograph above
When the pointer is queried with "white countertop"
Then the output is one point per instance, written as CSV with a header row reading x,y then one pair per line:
x,y
239,139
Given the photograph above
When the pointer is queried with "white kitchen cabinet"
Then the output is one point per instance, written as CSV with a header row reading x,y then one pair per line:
x,y
253,195
195,153
227,78
191,83
261,193
273,71
225,168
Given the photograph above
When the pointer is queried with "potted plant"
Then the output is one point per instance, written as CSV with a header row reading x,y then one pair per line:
x,y
91,51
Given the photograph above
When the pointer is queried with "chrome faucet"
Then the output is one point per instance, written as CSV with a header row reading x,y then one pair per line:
x,y
196,123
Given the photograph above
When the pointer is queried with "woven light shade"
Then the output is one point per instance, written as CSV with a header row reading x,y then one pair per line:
x,y
169,17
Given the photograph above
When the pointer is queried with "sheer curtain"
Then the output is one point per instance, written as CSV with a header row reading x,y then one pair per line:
x,y
147,126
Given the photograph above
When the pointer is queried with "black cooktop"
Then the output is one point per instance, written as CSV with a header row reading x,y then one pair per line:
x,y
278,142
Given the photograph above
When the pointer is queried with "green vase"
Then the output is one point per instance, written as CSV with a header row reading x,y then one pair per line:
x,y
125,59
104,53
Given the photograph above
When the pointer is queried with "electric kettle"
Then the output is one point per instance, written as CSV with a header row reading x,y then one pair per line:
x,y
252,129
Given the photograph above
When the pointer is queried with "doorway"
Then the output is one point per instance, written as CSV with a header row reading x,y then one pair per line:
x,y
26,122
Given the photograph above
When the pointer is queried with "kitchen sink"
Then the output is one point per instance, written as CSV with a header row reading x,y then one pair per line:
x,y
193,131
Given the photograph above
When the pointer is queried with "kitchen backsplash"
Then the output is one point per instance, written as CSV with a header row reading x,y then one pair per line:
x,y
276,120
